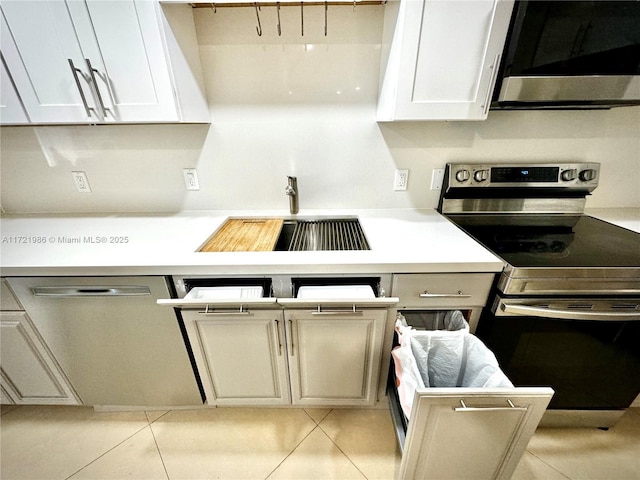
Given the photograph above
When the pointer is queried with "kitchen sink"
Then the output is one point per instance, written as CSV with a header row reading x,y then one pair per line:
x,y
321,234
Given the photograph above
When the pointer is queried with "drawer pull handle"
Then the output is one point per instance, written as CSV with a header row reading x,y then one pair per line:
x,y
510,408
212,311
353,311
426,294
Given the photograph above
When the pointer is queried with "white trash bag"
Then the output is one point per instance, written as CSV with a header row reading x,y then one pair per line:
x,y
442,358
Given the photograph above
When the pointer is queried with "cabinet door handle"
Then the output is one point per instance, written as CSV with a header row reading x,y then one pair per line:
x,y
291,331
351,311
92,70
74,72
278,339
510,408
444,295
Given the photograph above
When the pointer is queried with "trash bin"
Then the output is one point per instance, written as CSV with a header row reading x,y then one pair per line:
x,y
444,354
464,419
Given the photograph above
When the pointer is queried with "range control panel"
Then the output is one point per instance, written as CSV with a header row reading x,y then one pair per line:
x,y
583,176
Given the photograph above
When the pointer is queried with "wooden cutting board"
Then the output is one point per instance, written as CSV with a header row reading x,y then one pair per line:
x,y
245,235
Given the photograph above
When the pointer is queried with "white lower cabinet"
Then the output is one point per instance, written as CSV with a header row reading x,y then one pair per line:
x,y
30,374
241,359
470,433
321,358
334,357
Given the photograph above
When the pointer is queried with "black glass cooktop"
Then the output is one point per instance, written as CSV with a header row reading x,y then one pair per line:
x,y
554,240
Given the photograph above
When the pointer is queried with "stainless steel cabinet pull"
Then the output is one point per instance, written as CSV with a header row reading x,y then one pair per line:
x,y
278,337
74,72
97,88
444,295
353,311
510,408
91,291
291,331
227,313
533,311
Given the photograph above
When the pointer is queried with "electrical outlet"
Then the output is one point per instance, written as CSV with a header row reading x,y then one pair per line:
x,y
437,177
82,182
191,178
401,180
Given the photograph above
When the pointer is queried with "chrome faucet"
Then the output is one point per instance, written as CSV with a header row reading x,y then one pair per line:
x,y
292,191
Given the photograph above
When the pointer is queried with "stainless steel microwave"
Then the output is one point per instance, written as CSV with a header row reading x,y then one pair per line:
x,y
571,54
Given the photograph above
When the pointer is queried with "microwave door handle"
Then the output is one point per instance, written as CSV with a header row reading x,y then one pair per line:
x,y
532,311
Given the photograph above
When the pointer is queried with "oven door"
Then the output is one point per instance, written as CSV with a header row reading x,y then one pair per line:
x,y
585,349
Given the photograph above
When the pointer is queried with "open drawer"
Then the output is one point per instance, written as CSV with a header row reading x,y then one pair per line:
x,y
462,432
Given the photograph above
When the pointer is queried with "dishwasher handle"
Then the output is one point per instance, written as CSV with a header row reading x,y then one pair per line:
x,y
92,291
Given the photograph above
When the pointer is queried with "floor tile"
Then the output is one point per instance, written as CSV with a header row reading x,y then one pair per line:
x,y
47,442
368,438
153,415
7,408
135,458
532,468
229,443
317,414
317,458
590,453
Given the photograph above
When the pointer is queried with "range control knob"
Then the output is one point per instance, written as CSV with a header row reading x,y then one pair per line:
x,y
587,175
481,175
569,175
462,175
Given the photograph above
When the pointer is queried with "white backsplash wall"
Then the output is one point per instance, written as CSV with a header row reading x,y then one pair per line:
x,y
303,106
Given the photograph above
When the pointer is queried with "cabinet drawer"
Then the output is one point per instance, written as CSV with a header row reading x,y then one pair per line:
x,y
442,290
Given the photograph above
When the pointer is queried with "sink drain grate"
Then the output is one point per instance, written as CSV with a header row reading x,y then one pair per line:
x,y
343,234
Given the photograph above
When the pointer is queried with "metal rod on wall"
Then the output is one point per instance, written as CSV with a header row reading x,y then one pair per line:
x,y
259,27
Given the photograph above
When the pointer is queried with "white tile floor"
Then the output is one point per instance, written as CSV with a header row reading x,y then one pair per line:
x,y
51,443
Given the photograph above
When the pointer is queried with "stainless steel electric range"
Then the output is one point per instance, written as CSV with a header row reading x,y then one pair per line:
x,y
565,312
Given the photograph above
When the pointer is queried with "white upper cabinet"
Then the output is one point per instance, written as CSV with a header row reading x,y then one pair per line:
x,y
442,58
99,61
11,109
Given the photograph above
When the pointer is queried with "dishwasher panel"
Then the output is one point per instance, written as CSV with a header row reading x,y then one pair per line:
x,y
114,343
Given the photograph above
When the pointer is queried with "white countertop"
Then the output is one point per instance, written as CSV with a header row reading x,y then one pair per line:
x,y
410,241
167,244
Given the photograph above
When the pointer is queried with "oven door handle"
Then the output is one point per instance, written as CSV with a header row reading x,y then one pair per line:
x,y
533,311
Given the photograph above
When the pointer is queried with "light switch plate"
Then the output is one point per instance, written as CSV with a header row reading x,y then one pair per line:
x,y
437,177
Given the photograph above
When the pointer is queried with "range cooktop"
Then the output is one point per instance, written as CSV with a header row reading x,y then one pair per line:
x,y
554,241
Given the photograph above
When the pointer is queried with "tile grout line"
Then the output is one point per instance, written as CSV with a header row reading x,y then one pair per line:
x,y
549,465
314,420
109,450
156,441
291,452
343,452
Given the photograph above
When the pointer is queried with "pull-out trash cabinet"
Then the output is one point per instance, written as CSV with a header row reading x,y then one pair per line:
x,y
464,419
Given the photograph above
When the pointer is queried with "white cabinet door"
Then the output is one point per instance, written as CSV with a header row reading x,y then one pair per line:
x,y
241,359
470,433
38,44
11,110
29,374
334,358
99,61
443,58
124,44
